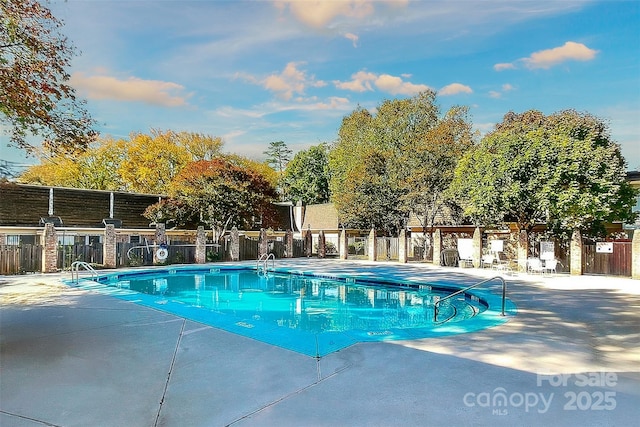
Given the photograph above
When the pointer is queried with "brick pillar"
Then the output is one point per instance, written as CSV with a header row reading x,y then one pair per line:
x,y
437,247
373,250
322,245
343,244
263,243
308,243
201,245
477,247
523,249
3,239
235,244
161,239
289,243
110,246
49,243
402,246
635,255
575,259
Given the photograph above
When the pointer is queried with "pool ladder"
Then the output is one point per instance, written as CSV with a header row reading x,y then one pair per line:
x,y
75,270
461,291
262,264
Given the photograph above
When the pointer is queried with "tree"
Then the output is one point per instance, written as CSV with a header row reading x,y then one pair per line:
x,y
36,98
563,170
306,178
217,193
278,155
145,163
399,161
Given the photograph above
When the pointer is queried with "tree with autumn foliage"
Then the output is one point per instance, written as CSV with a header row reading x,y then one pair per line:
x,y
35,97
218,193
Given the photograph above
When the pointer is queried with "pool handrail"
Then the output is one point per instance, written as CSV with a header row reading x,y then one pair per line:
x,y
75,267
504,295
264,258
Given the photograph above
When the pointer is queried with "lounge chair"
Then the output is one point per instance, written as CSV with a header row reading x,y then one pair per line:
x,y
534,265
550,266
487,261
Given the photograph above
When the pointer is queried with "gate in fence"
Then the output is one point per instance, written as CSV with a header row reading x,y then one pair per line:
x,y
609,258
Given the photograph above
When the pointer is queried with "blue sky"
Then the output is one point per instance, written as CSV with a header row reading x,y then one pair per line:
x,y
253,72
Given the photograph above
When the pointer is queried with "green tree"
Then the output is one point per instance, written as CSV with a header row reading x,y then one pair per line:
x,y
306,178
278,155
217,193
562,169
35,97
399,161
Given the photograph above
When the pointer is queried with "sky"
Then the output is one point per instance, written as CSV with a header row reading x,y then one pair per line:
x,y
255,72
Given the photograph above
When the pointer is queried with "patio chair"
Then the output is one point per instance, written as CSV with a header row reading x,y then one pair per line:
x,y
534,265
550,266
487,261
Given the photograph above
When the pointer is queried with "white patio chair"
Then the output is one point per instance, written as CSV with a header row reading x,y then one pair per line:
x,y
550,266
534,265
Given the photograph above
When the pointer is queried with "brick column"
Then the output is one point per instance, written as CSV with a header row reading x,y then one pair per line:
x,y
437,246
263,243
343,244
161,239
477,247
635,255
308,243
322,245
402,247
3,239
201,245
235,244
110,246
49,243
373,250
289,243
523,249
575,259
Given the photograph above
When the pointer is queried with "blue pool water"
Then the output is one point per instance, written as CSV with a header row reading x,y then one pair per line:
x,y
309,314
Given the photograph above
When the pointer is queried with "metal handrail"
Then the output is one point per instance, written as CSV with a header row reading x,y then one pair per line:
x,y
264,258
504,295
75,267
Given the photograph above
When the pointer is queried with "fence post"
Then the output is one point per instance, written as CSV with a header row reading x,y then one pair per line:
x,y
523,249
161,239
477,247
308,242
402,247
373,250
322,245
49,249
263,243
575,260
635,255
109,255
201,245
235,244
289,243
437,246
343,243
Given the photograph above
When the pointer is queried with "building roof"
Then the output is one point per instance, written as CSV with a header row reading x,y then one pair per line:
x,y
321,217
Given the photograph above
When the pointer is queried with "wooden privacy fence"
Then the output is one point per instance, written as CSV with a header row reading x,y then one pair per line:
x,y
614,263
20,259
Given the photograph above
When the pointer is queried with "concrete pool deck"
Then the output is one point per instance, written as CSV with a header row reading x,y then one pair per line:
x,y
571,356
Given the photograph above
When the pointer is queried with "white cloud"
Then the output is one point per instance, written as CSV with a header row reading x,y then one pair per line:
x,y
360,82
495,94
547,58
504,66
454,88
507,87
287,83
364,81
570,51
320,14
133,89
354,38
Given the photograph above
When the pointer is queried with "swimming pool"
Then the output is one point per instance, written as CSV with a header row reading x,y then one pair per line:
x,y
310,314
